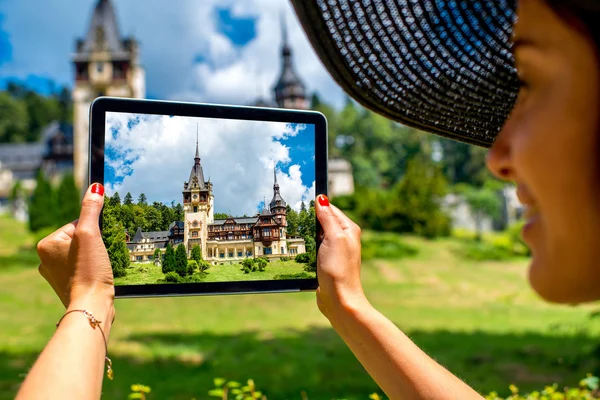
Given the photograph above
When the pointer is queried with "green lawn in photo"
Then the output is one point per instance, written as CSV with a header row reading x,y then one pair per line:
x,y
479,319
145,273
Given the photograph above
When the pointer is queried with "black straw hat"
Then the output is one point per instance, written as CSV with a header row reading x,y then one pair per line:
x,y
443,66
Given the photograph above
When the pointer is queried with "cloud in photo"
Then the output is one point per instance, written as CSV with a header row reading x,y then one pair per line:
x,y
154,154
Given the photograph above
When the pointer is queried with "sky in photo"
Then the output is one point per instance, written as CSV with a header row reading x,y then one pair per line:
x,y
221,51
154,154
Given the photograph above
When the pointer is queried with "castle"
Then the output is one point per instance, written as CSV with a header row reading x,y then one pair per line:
x,y
221,240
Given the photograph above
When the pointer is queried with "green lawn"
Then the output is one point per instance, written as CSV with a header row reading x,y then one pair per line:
x,y
150,273
479,319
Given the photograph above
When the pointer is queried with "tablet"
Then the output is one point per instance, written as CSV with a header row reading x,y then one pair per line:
x,y
208,199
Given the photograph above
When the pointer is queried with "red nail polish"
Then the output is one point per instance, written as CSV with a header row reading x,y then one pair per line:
x,y
98,189
323,200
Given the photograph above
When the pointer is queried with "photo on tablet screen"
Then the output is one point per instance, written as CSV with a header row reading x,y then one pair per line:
x,y
208,199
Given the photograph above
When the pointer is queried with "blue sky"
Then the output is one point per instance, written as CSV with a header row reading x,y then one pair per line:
x,y
155,154
223,51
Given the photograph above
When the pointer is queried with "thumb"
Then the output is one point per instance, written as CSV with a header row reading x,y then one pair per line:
x,y
91,208
326,216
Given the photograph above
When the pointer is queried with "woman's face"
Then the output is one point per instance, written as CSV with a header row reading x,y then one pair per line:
x,y
549,147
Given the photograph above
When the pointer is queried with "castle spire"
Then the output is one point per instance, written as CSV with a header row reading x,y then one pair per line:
x,y
275,184
277,200
197,158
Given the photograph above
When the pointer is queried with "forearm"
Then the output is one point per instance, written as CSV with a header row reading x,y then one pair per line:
x,y
398,366
72,364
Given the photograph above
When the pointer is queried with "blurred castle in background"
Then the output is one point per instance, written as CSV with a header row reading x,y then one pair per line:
x,y
107,64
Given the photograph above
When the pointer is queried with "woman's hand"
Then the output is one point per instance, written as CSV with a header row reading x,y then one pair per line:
x,y
338,261
75,261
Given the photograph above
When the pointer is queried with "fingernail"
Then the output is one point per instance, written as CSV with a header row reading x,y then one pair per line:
x,y
323,200
98,189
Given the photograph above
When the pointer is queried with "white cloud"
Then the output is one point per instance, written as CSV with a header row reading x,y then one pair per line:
x,y
237,156
172,35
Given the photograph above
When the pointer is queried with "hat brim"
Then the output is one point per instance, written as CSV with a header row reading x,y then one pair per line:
x,y
444,67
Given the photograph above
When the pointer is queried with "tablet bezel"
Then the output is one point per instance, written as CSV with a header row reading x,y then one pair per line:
x,y
102,105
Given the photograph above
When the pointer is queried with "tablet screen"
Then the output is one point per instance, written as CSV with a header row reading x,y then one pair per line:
x,y
208,200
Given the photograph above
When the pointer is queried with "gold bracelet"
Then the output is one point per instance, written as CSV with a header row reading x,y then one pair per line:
x,y
94,323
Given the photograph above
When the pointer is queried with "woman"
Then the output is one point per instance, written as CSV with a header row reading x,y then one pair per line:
x,y
549,146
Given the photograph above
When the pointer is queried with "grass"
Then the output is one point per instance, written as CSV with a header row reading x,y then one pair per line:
x,y
479,319
150,273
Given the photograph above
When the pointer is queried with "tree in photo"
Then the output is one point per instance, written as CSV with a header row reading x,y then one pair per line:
x,y
168,264
157,255
128,200
203,266
292,221
142,201
68,200
196,253
221,215
113,236
181,260
42,206
115,200
178,210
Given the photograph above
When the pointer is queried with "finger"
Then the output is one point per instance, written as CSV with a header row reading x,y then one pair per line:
x,y
90,209
345,222
329,222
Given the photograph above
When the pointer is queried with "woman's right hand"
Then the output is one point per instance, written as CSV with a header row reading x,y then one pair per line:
x,y
75,263
338,262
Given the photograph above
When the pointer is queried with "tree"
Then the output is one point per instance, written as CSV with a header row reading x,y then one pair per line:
x,y
168,264
42,206
221,215
153,219
115,200
181,260
483,202
128,199
196,254
178,211
142,201
157,254
68,200
293,221
113,236
14,120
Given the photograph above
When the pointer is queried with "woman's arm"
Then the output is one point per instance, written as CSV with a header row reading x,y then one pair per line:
x,y
76,264
398,366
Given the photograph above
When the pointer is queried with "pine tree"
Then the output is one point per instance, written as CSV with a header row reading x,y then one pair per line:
x,y
181,260
68,200
115,200
157,254
142,201
169,260
42,209
128,199
196,254
178,210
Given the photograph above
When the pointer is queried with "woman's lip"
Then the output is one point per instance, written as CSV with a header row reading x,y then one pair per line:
x,y
530,222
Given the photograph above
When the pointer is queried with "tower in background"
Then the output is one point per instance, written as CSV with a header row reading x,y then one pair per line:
x,y
290,92
106,64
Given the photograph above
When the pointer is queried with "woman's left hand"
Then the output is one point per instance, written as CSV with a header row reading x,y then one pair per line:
x,y
74,260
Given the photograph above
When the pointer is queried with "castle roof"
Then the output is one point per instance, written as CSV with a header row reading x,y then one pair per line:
x,y
196,180
157,236
289,84
277,200
104,20
237,220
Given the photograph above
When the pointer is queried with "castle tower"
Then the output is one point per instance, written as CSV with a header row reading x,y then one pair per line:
x,y
290,92
105,65
278,206
198,207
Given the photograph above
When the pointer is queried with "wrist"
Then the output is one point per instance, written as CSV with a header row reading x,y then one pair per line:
x,y
346,307
99,304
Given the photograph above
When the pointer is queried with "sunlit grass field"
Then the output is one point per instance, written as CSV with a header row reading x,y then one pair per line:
x,y
478,319
145,273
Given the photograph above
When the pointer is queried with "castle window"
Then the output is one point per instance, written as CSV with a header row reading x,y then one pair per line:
x,y
195,209
266,232
282,250
268,250
100,67
222,255
195,234
239,253
231,254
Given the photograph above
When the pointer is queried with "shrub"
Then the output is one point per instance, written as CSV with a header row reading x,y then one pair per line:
x,y
311,266
172,277
181,261
196,253
168,264
484,251
192,266
203,266
197,277
261,264
248,265
285,259
516,239
299,275
385,246
302,258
